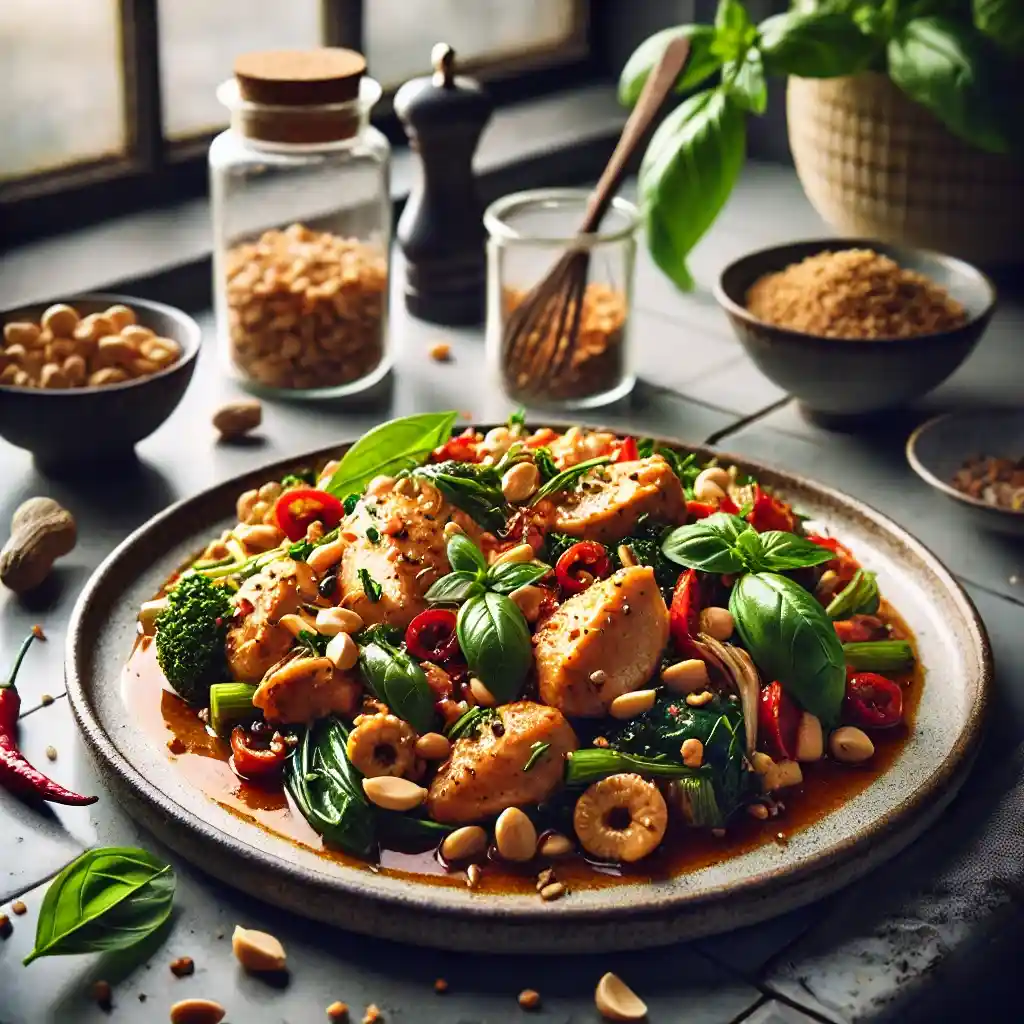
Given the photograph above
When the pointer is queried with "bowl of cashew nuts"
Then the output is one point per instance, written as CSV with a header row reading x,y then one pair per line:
x,y
85,379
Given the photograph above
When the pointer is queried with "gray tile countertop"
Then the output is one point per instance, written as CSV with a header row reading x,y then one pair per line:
x,y
823,963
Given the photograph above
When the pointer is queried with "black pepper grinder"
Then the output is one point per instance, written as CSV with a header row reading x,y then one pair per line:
x,y
441,229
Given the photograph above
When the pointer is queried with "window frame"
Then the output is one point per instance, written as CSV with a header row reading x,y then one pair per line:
x,y
155,171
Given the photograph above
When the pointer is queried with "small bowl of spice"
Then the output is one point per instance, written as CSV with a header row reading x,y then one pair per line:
x,y
85,379
977,459
853,327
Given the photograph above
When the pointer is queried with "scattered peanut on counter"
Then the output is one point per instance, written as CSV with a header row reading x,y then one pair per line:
x,y
67,350
257,951
236,419
306,309
41,532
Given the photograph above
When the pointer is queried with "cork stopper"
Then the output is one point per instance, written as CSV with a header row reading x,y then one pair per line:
x,y
306,81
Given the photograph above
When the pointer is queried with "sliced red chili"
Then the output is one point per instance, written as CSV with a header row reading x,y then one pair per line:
x,y
463,448
860,628
627,450
844,565
295,510
252,761
526,527
770,513
872,701
541,438
702,509
684,613
778,720
431,635
580,565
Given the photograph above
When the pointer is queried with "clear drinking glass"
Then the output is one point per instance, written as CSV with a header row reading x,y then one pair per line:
x,y
301,244
528,233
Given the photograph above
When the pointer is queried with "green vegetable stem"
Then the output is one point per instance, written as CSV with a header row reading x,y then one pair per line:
x,y
109,898
582,767
955,59
231,704
859,597
879,656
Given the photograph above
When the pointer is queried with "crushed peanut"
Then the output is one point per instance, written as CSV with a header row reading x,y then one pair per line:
x,y
6,928
553,891
529,999
183,967
698,700
440,986
66,350
372,1015
306,309
19,908
440,352
854,294
337,1012
51,753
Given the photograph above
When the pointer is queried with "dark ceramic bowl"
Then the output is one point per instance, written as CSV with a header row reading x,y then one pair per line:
x,y
836,377
938,448
85,425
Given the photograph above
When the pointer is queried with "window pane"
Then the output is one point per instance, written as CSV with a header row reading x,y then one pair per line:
x,y
400,34
200,39
61,99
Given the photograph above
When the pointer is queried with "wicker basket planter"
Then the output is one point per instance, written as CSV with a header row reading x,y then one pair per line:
x,y
875,164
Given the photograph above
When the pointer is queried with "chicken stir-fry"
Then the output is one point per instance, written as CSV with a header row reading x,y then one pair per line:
x,y
558,643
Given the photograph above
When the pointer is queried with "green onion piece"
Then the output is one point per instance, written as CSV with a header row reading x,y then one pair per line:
x,y
859,597
537,751
231,703
879,656
583,767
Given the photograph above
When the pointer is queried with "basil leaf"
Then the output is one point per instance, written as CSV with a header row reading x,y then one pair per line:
x,y
390,448
397,679
745,82
815,44
545,464
464,555
109,898
687,173
709,544
509,576
495,639
454,588
702,63
943,65
781,551
751,549
734,31
791,639
474,489
568,477
859,597
371,588
1001,20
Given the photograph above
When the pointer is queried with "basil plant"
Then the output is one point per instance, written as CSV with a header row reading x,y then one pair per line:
x,y
958,58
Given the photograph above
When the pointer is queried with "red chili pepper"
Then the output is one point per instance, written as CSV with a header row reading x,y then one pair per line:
x,y
295,510
580,565
770,513
627,450
461,449
431,635
778,719
872,701
16,774
844,565
684,613
541,438
701,509
254,762
860,628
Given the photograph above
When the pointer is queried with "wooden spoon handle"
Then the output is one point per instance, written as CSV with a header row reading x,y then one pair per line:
x,y
655,91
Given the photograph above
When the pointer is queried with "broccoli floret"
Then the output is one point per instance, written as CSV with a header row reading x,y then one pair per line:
x,y
190,636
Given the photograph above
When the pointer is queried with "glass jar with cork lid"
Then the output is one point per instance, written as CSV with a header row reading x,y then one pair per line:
x,y
300,198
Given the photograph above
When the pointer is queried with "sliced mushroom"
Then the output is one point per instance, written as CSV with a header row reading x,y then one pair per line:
x,y
738,668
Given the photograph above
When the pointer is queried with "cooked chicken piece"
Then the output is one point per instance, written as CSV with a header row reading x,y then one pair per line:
x,y
305,689
611,499
258,643
602,643
484,773
407,556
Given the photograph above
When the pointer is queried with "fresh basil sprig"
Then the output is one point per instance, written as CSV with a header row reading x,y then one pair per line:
x,y
791,639
568,477
464,555
859,597
389,449
455,588
510,576
495,639
109,898
782,551
472,576
397,679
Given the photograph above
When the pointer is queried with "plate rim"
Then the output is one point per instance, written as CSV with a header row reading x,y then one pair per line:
x,y
884,829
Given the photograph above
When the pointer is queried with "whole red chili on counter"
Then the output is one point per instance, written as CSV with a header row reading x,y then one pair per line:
x,y
872,701
16,774
580,565
684,613
431,635
295,510
778,720
253,761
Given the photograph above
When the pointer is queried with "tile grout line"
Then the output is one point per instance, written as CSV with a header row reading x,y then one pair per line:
x,y
745,421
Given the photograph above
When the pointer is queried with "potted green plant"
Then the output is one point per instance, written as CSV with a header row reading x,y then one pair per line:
x,y
906,121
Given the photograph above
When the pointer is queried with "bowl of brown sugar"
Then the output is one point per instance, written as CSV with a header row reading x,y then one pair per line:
x,y
853,326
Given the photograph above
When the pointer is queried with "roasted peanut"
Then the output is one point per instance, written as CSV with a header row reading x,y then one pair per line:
x,y
53,377
528,600
690,676
21,333
850,745
108,375
520,482
236,419
257,951
393,793
93,327
120,316
60,320
717,623
515,835
463,843
114,351
136,334
197,1011
41,532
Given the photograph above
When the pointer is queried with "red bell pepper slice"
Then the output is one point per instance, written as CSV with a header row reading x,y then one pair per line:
x,y
778,720
255,762
872,701
580,565
684,613
431,635
627,450
295,510
702,509
463,448
770,513
844,565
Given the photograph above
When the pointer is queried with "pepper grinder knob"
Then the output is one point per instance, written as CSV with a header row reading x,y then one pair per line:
x,y
441,229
